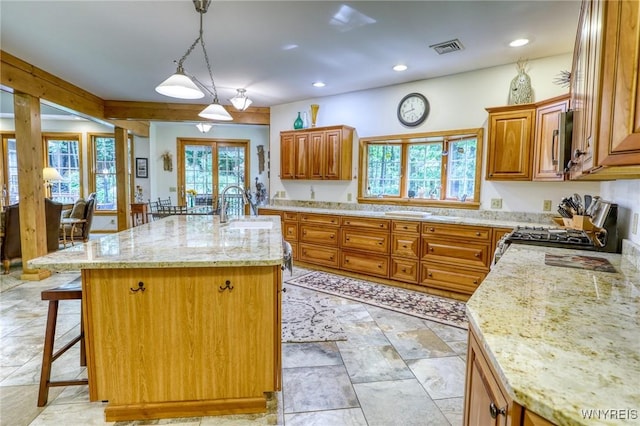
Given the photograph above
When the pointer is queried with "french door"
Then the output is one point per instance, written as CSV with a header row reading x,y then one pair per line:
x,y
207,166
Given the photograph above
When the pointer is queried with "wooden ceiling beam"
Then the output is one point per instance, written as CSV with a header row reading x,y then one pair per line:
x,y
161,111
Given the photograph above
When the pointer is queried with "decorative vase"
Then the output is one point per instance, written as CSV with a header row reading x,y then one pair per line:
x,y
298,123
314,114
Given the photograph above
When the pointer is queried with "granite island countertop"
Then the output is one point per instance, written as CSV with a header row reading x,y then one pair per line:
x,y
176,241
563,339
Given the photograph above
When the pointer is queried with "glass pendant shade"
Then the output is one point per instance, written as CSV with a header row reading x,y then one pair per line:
x,y
179,86
204,127
240,101
215,111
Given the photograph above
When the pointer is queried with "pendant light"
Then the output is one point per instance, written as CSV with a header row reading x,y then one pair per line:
x,y
240,101
179,85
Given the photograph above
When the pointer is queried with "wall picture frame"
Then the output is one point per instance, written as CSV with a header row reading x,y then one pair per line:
x,y
142,167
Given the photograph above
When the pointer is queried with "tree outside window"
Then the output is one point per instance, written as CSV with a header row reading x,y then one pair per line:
x,y
440,168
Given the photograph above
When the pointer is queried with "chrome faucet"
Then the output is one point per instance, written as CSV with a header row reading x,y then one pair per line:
x,y
223,203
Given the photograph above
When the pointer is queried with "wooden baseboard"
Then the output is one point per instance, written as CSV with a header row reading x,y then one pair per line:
x,y
163,410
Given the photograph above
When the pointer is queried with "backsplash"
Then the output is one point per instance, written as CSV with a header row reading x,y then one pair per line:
x,y
478,214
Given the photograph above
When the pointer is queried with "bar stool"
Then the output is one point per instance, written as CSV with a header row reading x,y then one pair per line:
x,y
70,291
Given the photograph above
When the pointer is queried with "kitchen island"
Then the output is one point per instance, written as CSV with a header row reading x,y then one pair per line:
x,y
554,339
181,316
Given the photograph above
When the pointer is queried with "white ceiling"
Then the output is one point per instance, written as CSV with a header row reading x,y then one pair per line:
x,y
120,50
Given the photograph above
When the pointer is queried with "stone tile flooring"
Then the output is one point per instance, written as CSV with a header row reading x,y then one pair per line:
x,y
393,369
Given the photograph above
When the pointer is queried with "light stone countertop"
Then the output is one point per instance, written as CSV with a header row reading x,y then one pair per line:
x,y
176,241
518,220
562,339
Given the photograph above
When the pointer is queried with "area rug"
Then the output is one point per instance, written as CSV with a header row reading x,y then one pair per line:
x,y
433,308
309,318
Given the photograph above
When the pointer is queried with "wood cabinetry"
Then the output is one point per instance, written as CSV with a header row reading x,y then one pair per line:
x,y
454,257
547,160
365,245
405,251
319,237
486,401
321,153
605,91
510,142
133,315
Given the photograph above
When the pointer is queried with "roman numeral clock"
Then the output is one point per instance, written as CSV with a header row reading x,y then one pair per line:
x,y
413,109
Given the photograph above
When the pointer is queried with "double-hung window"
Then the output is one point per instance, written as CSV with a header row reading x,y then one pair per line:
x,y
437,169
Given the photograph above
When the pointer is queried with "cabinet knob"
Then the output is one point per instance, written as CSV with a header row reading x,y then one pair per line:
x,y
495,411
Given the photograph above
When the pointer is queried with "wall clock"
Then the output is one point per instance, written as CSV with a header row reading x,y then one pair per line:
x,y
413,109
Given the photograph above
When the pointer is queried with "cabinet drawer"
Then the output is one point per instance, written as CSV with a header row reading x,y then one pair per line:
x,y
370,241
290,231
366,223
404,270
319,235
323,219
472,232
451,278
290,216
471,254
405,226
405,245
370,264
326,256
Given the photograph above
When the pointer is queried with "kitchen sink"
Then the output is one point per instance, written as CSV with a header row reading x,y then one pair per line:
x,y
250,224
407,213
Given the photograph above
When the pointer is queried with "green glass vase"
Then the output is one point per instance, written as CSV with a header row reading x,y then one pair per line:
x,y
298,123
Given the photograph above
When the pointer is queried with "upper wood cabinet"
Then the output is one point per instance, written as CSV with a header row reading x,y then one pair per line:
x,y
510,142
605,91
547,163
321,153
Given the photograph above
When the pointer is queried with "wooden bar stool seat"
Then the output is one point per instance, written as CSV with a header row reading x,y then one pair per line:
x,y
70,291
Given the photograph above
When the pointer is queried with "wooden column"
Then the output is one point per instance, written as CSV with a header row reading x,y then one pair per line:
x,y
122,177
33,228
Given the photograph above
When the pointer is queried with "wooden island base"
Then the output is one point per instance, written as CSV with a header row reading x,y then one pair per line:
x,y
165,410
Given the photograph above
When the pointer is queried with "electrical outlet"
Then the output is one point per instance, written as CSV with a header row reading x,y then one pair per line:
x,y
546,206
634,226
496,203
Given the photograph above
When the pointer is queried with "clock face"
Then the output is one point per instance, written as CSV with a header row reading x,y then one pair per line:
x,y
413,109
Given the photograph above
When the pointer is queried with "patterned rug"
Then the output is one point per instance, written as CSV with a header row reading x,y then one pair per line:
x,y
308,317
433,308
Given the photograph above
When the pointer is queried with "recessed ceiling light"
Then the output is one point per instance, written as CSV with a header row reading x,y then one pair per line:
x,y
318,84
519,42
400,67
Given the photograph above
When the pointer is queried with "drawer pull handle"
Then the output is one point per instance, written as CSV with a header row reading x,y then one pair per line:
x,y
495,411
140,288
227,286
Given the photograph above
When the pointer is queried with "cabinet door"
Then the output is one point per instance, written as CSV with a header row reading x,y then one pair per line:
x,y
287,156
619,137
317,159
510,142
585,91
334,155
485,404
301,142
219,349
546,166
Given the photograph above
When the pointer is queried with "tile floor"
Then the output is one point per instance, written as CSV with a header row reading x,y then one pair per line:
x,y
393,369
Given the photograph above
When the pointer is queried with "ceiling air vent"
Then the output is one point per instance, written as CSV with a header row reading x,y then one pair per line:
x,y
447,46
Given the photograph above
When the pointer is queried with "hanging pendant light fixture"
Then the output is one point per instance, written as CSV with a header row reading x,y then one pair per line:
x,y
179,85
240,101
204,127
